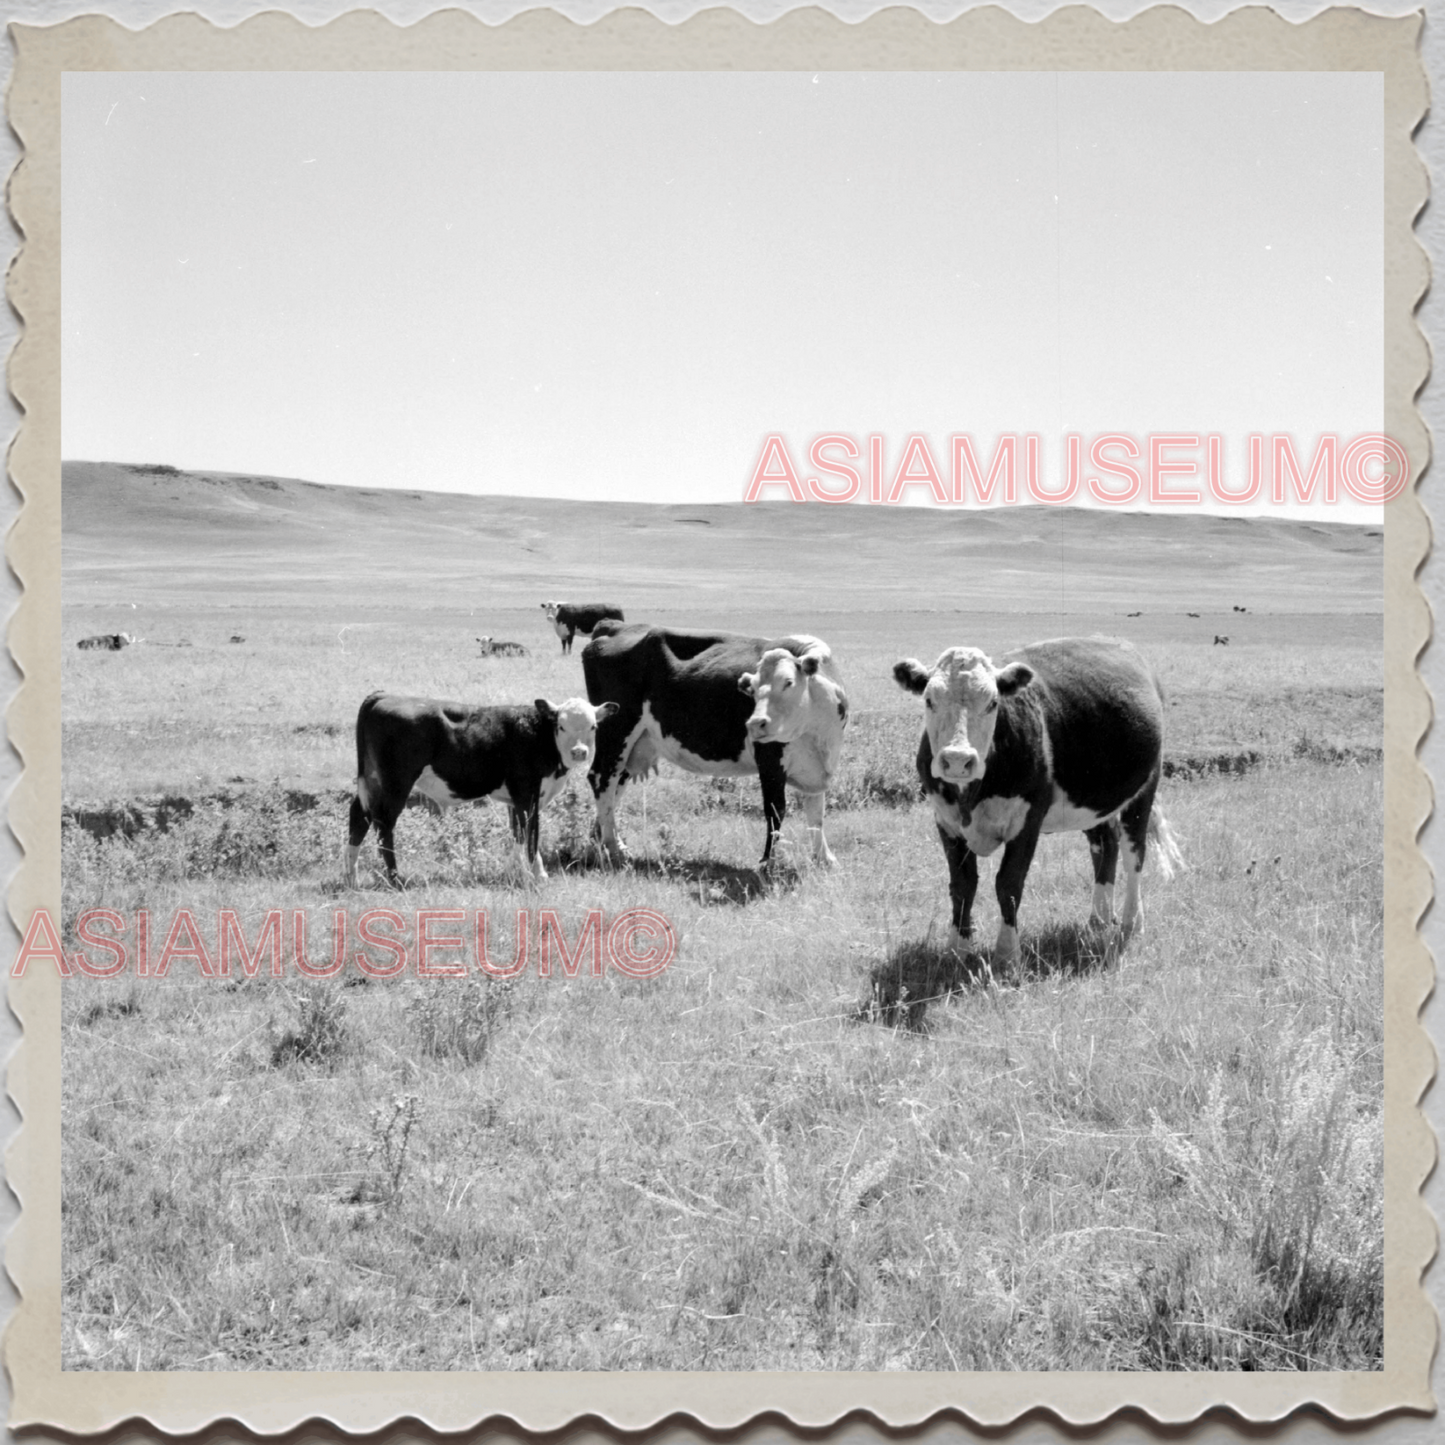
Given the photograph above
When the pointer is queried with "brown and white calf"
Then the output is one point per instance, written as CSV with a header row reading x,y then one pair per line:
x,y
452,752
1061,735
719,704
569,618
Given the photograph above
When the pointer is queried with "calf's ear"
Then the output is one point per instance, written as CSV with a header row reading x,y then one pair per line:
x,y
545,710
607,710
808,663
747,682
911,675
1011,678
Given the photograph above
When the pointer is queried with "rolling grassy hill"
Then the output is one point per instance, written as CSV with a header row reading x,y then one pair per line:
x,y
154,536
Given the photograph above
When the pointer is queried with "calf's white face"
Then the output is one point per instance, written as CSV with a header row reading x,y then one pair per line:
x,y
576,729
780,693
961,694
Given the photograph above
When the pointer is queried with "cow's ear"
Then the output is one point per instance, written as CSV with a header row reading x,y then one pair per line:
x,y
1011,678
606,710
911,674
747,682
808,663
545,710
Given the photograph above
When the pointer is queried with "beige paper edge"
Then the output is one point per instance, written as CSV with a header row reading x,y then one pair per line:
x,y
1073,39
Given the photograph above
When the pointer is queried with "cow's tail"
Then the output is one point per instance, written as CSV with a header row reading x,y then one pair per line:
x,y
1166,846
363,713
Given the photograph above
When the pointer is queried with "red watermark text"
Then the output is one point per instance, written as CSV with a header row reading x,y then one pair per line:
x,y
1114,469
381,943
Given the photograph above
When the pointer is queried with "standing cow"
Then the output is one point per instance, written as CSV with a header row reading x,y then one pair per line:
x,y
569,618
451,752
718,704
1063,735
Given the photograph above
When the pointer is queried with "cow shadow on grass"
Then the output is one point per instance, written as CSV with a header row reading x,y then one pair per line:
x,y
711,881
707,881
927,970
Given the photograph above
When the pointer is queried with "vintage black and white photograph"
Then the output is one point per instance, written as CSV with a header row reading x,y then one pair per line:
x,y
723,721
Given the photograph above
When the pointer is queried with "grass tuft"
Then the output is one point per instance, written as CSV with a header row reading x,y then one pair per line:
x,y
320,1034
458,1018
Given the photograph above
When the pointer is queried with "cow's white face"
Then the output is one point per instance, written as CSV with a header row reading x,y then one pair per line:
x,y
961,695
575,724
781,695
550,608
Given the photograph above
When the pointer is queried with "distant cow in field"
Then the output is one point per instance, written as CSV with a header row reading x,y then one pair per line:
x,y
570,618
1191,614
1220,641
1238,608
492,648
451,752
718,704
105,642
1062,735
1135,614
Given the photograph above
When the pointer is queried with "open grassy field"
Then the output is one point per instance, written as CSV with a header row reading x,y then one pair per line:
x,y
1166,1161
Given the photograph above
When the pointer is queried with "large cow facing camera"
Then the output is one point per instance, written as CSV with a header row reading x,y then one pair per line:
x,y
1058,736
719,704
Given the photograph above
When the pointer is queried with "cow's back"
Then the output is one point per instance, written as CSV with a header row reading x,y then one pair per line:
x,y
1103,710
684,675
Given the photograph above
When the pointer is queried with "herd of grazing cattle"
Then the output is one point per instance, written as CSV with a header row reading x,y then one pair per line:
x,y
1059,736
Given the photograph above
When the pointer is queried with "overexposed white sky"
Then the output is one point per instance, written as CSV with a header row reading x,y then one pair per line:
x,y
615,285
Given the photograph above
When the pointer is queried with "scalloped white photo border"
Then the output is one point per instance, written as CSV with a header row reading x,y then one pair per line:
x,y
988,39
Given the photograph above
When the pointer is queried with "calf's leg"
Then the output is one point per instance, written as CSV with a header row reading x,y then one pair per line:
x,y
357,828
384,818
526,833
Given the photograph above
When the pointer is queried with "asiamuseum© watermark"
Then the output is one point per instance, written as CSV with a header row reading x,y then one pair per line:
x,y
440,943
1114,469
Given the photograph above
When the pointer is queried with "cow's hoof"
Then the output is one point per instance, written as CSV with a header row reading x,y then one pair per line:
x,y
609,855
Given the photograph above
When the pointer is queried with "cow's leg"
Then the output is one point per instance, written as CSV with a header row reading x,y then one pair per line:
x,y
356,832
814,806
1134,822
962,886
608,776
774,778
1009,887
1104,851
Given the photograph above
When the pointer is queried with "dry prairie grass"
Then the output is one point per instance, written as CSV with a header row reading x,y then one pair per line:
x,y
1168,1162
